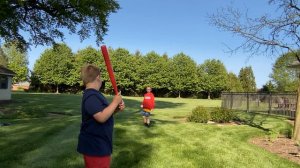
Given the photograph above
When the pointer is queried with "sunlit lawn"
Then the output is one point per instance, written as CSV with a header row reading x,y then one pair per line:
x,y
50,140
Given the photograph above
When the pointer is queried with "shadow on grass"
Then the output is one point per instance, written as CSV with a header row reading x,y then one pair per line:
x,y
133,109
23,138
39,134
156,121
166,104
133,146
40,105
159,104
129,151
252,120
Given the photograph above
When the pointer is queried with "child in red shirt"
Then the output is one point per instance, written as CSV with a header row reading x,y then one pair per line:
x,y
147,105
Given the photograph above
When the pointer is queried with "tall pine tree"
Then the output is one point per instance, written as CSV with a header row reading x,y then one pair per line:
x,y
247,79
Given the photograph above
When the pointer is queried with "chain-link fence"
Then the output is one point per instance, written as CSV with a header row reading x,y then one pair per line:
x,y
283,104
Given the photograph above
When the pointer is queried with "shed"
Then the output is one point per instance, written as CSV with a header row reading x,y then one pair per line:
x,y
6,76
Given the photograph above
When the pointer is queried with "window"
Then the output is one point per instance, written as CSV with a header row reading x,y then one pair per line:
x,y
3,82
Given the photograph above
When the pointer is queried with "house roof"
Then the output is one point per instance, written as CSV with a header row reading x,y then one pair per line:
x,y
5,71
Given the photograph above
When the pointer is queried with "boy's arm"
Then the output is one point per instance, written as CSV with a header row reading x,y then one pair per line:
x,y
109,110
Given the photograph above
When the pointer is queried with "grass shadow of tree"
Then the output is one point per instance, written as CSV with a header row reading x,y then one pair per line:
x,y
159,104
39,105
129,151
252,120
133,109
29,136
133,148
166,104
130,147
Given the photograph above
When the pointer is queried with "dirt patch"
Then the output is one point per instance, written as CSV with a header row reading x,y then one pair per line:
x,y
231,123
281,146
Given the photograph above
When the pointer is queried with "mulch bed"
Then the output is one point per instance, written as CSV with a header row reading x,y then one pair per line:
x,y
281,146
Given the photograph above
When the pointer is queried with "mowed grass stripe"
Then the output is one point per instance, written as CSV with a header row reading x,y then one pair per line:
x,y
20,139
58,150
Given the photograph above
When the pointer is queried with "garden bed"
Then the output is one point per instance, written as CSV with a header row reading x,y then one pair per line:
x,y
282,146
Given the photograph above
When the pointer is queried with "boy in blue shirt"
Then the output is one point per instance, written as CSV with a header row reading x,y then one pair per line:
x,y
95,138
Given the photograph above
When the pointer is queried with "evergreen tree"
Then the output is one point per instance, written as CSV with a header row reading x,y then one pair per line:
x,y
247,79
233,83
268,87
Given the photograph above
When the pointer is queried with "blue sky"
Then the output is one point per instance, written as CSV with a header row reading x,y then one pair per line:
x,y
174,26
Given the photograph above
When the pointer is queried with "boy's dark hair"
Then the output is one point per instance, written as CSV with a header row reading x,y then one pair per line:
x,y
89,73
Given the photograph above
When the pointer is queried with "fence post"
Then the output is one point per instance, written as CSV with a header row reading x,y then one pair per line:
x,y
258,99
270,103
247,102
231,100
296,135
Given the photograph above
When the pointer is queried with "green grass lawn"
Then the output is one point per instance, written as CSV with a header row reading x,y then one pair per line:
x,y
37,139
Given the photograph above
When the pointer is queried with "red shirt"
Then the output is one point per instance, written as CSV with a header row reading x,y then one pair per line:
x,y
148,102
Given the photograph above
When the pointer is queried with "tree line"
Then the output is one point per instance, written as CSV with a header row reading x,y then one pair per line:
x,y
58,70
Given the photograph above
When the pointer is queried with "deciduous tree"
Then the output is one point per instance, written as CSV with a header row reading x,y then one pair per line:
x,y
88,55
43,21
183,74
285,78
3,58
212,76
54,66
17,62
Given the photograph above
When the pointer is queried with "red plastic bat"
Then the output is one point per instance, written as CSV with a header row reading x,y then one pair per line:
x,y
109,69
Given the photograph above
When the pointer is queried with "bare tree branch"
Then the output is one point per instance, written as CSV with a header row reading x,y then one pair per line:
x,y
263,34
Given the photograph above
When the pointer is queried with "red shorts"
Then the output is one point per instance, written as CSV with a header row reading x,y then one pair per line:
x,y
97,161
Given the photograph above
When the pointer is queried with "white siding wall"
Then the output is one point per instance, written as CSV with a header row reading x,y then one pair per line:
x,y
5,94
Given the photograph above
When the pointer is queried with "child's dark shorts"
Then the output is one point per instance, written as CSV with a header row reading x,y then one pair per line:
x,y
145,114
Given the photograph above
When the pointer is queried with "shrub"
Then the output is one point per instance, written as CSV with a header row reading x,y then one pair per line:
x,y
199,115
222,115
286,131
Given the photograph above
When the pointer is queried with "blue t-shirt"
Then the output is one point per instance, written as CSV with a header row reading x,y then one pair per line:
x,y
95,139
